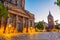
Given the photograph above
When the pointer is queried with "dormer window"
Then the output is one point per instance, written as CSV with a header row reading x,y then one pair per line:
x,y
18,3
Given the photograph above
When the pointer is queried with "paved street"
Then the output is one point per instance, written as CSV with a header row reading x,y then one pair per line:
x,y
46,36
42,36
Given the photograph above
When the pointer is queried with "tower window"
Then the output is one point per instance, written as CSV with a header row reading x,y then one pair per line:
x,y
18,3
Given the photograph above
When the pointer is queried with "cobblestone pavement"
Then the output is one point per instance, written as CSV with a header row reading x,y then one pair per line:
x,y
42,36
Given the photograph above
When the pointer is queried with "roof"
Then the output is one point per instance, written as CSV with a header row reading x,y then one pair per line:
x,y
50,15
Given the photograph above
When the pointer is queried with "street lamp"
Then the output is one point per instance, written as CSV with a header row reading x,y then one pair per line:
x,y
31,29
9,28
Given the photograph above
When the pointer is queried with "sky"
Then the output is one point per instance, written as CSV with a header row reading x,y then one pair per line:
x,y
41,8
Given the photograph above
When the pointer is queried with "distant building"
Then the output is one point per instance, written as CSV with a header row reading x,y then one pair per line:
x,y
18,16
50,22
45,24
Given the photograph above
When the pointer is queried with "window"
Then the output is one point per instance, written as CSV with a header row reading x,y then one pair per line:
x,y
18,3
24,22
14,2
18,27
31,23
19,19
11,19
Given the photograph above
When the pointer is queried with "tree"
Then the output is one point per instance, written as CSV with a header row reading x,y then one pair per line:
x,y
40,25
57,27
58,3
3,13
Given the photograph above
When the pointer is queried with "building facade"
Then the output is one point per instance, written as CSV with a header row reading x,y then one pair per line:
x,y
50,22
19,18
45,24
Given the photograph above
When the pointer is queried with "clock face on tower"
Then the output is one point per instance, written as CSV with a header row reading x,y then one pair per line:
x,y
49,20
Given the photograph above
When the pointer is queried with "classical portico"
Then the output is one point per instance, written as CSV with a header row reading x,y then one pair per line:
x,y
19,18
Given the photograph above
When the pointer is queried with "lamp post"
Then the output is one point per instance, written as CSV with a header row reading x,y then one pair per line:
x,y
9,28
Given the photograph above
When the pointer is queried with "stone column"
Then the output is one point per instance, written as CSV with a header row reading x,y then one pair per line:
x,y
16,21
21,24
28,23
32,23
8,19
23,21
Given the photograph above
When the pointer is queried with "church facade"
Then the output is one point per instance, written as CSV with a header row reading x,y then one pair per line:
x,y
50,22
19,18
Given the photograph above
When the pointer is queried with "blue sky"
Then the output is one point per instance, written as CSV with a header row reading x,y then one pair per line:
x,y
41,8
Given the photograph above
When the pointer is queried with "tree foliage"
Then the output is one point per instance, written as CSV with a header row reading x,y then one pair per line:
x,y
40,25
58,3
57,26
3,13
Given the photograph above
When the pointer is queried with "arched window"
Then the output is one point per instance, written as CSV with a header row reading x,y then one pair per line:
x,y
18,3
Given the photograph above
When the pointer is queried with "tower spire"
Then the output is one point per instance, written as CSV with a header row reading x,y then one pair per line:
x,y
49,13
50,22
